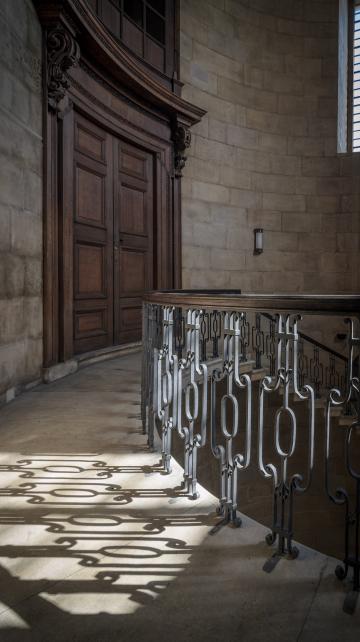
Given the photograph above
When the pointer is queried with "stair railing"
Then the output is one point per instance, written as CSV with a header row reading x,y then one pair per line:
x,y
203,352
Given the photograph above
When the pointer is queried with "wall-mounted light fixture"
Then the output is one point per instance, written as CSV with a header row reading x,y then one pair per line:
x,y
258,240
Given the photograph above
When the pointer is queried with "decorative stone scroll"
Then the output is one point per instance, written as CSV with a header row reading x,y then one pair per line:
x,y
63,52
182,142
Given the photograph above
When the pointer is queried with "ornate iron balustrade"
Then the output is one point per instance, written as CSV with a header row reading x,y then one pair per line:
x,y
211,364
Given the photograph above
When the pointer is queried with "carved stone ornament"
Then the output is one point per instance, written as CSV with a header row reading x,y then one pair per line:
x,y
62,53
182,141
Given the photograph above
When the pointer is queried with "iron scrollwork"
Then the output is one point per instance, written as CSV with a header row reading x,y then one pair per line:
x,y
165,388
230,463
286,382
151,343
343,496
192,378
192,351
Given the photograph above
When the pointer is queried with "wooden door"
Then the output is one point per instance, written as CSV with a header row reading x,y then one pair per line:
x,y
93,237
113,237
133,237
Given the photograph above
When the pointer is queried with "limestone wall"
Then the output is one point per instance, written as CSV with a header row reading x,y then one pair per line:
x,y
265,154
20,196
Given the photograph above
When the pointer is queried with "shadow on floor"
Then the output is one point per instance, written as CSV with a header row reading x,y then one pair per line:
x,y
75,511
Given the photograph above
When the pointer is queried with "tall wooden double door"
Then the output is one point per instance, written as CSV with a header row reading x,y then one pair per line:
x,y
113,201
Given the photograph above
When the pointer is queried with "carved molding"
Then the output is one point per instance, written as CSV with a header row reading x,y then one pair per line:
x,y
182,142
63,52
104,50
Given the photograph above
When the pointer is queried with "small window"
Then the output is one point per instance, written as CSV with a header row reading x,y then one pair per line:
x,y
147,27
356,81
349,77
158,5
134,9
155,26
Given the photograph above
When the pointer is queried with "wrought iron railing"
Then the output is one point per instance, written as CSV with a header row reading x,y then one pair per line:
x,y
211,364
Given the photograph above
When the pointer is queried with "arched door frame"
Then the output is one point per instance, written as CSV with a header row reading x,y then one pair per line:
x,y
86,70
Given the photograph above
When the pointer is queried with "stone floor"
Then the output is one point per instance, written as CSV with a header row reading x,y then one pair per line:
x,y
96,544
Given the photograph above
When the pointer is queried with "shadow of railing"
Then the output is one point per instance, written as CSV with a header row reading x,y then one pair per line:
x,y
73,511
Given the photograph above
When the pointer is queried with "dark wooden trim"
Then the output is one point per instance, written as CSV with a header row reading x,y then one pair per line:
x,y
88,71
176,208
311,304
50,243
66,256
109,54
168,74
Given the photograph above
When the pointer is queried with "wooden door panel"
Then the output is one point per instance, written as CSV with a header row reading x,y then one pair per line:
x,y
90,140
90,196
133,237
131,317
133,273
134,215
91,323
130,320
93,238
132,162
90,269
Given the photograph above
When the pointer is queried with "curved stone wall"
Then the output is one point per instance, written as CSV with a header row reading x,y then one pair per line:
x,y
20,197
265,154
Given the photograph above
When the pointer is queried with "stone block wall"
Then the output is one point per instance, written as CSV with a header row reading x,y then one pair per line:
x,y
265,155
20,196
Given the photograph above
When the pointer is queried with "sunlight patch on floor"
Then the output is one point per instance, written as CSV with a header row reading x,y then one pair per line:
x,y
94,533
10,619
93,603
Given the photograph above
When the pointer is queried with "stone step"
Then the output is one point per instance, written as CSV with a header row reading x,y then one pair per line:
x,y
258,374
346,420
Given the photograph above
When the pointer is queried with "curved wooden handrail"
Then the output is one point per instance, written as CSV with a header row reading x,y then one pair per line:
x,y
336,304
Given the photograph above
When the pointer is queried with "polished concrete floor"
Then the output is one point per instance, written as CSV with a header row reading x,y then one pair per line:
x,y
96,544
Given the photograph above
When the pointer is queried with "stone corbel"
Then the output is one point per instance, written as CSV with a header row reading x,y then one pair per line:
x,y
182,141
63,52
